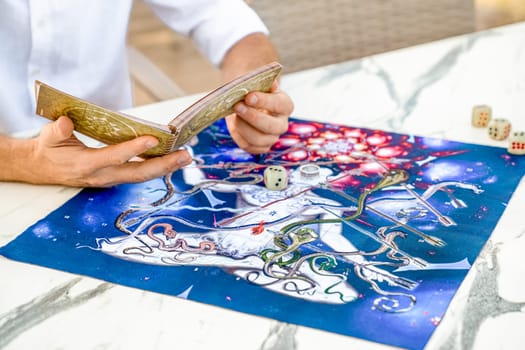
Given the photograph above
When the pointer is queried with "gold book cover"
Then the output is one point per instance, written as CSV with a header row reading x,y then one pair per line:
x,y
111,127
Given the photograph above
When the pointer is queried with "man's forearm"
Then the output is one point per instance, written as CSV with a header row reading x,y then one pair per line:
x,y
247,54
12,154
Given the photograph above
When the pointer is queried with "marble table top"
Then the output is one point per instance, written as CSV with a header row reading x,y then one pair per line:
x,y
427,90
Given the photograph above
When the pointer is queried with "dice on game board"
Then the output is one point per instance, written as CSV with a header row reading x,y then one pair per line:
x,y
499,129
517,143
275,178
481,116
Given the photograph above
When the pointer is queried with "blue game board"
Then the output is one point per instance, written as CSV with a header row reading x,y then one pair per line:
x,y
371,238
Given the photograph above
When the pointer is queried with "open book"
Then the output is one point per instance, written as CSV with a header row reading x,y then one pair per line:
x,y
112,127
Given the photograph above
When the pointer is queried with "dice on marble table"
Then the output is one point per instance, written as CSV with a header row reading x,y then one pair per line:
x,y
499,129
481,116
275,178
517,143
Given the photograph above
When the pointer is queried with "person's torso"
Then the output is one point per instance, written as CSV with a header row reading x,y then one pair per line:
x,y
78,46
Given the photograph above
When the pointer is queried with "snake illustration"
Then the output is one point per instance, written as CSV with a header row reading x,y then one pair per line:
x,y
393,177
298,238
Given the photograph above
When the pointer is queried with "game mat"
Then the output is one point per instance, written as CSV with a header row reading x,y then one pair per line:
x,y
371,238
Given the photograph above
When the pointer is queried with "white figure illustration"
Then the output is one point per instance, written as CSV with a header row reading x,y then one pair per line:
x,y
258,242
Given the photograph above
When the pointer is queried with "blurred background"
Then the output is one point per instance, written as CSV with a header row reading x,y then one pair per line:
x,y
160,57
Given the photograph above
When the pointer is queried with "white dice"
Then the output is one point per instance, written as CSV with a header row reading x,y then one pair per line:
x,y
499,129
275,178
481,116
517,143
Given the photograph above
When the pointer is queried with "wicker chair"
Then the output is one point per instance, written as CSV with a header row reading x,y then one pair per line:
x,y
310,33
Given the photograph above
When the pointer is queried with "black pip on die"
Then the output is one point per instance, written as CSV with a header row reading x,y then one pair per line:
x,y
275,178
499,129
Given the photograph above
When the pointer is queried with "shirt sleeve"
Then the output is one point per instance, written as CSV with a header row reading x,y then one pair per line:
x,y
214,25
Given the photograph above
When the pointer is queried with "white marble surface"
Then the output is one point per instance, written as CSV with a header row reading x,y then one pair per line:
x,y
427,90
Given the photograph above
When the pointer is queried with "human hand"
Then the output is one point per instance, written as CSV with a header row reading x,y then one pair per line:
x,y
58,157
260,119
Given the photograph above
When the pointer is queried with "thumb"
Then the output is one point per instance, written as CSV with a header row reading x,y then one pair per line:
x,y
57,131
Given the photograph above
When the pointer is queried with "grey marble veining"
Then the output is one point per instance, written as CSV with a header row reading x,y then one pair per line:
x,y
15,322
391,91
484,301
280,337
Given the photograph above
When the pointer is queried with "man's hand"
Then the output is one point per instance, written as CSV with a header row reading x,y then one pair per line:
x,y
56,156
260,119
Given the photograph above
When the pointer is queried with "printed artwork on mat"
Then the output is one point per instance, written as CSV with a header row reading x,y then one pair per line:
x,y
371,237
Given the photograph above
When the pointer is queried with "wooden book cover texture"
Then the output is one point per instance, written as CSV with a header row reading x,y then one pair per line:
x,y
112,127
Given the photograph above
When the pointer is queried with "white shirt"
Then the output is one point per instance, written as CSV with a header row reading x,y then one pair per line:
x,y
79,46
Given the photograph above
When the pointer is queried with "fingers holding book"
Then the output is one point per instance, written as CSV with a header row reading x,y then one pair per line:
x,y
63,159
260,119
276,102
